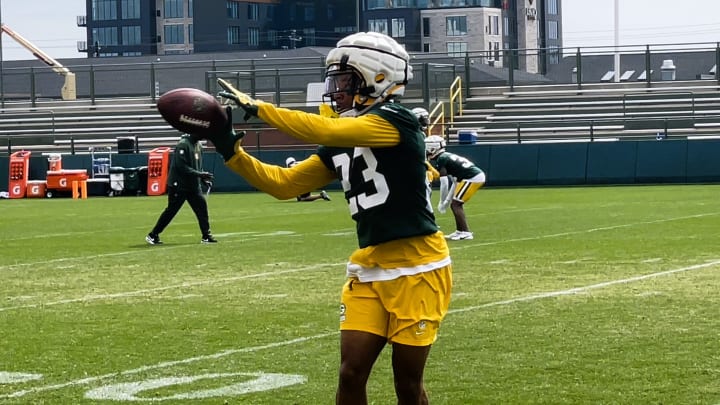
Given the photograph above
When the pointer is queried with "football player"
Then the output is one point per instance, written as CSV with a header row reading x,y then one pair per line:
x,y
290,162
459,180
399,278
423,116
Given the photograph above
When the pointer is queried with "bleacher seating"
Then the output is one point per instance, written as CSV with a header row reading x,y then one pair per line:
x,y
607,111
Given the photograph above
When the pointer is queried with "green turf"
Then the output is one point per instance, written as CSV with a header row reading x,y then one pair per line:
x,y
604,295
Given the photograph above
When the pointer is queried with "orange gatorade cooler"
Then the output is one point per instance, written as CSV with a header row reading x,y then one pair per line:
x,y
158,165
62,180
36,188
18,176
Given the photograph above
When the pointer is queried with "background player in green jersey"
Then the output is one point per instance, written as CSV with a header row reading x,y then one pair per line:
x,y
459,180
399,278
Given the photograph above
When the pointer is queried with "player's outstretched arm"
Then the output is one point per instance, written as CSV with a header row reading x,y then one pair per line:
x,y
280,182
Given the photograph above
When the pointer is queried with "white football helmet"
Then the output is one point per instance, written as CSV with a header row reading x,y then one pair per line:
x,y
369,67
434,145
423,116
290,162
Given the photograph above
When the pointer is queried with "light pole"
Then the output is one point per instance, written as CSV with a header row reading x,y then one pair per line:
x,y
617,40
357,15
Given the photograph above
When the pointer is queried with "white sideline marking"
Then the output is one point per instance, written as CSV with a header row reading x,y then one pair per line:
x,y
228,352
97,297
586,288
563,234
653,260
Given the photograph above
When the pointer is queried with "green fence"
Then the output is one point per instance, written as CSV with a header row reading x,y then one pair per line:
x,y
624,162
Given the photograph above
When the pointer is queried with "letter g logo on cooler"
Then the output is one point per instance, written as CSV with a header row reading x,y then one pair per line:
x,y
35,190
155,186
16,189
63,182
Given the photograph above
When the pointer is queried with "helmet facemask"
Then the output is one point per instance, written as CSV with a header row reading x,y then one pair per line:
x,y
343,88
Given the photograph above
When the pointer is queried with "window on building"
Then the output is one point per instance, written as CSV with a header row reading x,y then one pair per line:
x,y
397,26
132,53
553,54
253,13
174,34
495,25
174,9
506,26
104,10
130,9
456,49
191,33
379,25
309,13
426,47
426,26
456,26
272,38
105,36
253,36
234,35
190,9
270,12
131,35
309,36
233,9
552,7
552,29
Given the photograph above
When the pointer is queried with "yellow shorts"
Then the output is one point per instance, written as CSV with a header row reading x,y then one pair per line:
x,y
406,310
465,190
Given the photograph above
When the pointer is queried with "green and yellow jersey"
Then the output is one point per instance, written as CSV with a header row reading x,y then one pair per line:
x,y
379,159
455,165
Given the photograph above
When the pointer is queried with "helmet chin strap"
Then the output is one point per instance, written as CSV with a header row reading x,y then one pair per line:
x,y
383,96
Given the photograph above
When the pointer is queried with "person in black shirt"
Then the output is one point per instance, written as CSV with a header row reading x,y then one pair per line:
x,y
184,180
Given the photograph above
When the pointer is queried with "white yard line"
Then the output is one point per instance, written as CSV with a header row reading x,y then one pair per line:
x,y
578,290
531,297
182,285
149,291
455,246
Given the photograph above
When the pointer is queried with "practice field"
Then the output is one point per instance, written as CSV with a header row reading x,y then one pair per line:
x,y
604,295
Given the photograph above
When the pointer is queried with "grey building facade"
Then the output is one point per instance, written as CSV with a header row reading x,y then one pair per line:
x,y
454,27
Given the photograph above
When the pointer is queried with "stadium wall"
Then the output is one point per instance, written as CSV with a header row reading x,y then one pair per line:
x,y
556,164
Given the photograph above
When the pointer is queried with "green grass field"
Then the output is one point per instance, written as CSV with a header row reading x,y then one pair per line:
x,y
604,295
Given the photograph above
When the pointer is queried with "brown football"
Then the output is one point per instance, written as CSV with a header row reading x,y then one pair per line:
x,y
192,111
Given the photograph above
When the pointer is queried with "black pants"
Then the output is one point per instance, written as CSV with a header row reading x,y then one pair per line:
x,y
176,199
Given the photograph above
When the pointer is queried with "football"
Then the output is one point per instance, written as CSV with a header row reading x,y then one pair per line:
x,y
192,111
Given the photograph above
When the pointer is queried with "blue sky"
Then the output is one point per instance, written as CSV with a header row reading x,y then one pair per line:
x,y
585,23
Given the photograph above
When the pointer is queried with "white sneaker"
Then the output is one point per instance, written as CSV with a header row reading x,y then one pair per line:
x,y
462,236
452,235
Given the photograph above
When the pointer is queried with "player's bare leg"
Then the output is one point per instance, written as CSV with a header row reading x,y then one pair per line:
x,y
459,214
358,352
408,368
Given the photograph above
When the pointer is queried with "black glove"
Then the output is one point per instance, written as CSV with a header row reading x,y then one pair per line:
x,y
224,141
206,177
242,100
